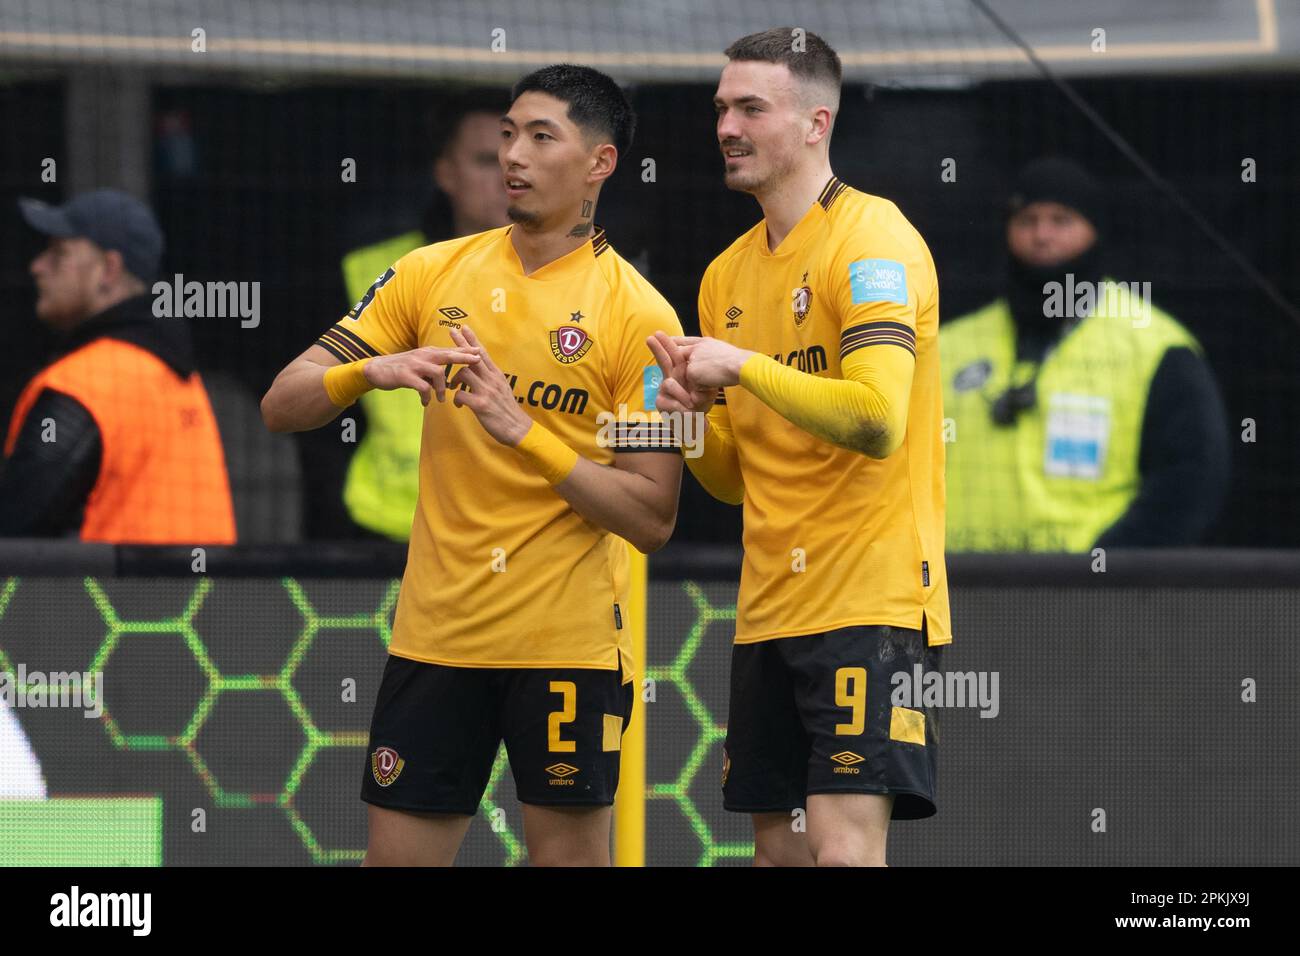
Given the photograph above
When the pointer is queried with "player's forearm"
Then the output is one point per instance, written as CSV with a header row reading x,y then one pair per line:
x,y
865,412
632,506
297,400
717,467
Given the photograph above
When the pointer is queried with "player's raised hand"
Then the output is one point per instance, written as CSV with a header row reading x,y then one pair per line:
x,y
423,369
711,363
483,389
675,395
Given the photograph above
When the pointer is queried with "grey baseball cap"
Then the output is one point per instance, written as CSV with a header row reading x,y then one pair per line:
x,y
107,217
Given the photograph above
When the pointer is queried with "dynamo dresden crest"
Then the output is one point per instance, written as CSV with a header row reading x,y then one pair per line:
x,y
386,766
801,302
569,343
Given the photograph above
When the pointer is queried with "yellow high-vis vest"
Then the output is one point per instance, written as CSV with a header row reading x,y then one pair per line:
x,y
383,479
1067,469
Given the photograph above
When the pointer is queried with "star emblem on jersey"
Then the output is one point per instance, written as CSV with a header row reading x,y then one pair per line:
x,y
801,302
576,316
569,343
386,765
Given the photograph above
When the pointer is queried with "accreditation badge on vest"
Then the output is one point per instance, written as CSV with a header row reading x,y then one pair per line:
x,y
1078,431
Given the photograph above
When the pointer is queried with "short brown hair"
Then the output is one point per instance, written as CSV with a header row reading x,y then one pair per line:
x,y
815,62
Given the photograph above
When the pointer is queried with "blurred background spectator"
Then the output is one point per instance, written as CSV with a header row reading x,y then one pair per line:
x,y
115,440
1080,413
382,479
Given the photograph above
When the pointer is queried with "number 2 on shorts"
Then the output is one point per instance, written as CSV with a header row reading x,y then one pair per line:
x,y
568,710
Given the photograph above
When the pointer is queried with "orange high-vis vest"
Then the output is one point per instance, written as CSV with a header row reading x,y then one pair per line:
x,y
162,474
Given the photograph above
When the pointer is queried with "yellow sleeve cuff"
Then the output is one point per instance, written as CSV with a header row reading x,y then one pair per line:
x,y
548,456
344,384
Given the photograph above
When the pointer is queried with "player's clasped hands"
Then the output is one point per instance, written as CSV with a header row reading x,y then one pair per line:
x,y
694,369
422,369
484,390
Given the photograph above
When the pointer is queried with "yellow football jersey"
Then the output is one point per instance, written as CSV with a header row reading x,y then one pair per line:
x,y
832,537
501,571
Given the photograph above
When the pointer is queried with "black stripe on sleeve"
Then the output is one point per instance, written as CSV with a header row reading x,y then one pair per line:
x,y
645,436
328,347
877,333
366,348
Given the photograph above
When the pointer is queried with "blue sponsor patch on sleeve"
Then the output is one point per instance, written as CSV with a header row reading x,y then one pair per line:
x,y
651,377
878,280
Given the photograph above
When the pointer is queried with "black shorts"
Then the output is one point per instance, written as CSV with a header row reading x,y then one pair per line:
x,y
436,731
813,714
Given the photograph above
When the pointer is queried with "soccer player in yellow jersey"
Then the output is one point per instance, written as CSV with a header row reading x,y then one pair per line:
x,y
820,345
510,623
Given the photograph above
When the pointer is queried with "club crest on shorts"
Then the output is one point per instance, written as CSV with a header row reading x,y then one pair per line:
x,y
386,765
726,765
569,343
801,302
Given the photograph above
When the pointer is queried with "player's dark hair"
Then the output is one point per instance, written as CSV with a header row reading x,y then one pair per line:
x,y
597,105
807,55
450,112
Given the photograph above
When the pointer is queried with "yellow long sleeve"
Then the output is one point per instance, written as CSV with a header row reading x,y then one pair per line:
x,y
717,468
865,411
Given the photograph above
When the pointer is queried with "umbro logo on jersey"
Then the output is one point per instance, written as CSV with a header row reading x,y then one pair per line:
x,y
452,316
569,343
386,765
560,774
733,316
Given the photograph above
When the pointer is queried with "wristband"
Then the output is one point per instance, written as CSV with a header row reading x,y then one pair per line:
x,y
549,457
344,384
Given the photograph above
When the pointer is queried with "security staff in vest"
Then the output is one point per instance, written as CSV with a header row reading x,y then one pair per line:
x,y
115,441
382,480
1080,415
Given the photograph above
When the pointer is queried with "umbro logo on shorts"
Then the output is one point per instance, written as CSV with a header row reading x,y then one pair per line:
x,y
560,774
846,759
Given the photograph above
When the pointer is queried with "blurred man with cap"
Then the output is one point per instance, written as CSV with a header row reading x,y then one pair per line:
x,y
1081,416
115,441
